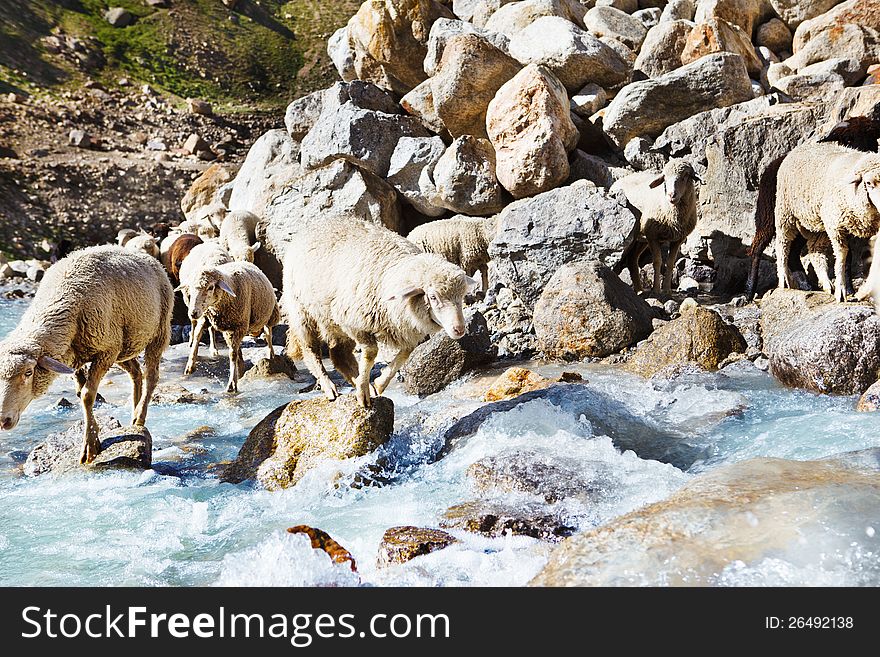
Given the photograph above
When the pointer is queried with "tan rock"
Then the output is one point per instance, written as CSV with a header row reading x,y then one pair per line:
x,y
661,51
515,381
529,124
401,544
203,191
388,40
720,36
743,13
870,399
321,540
471,72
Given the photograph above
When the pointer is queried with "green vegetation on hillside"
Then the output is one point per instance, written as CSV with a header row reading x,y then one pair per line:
x,y
263,53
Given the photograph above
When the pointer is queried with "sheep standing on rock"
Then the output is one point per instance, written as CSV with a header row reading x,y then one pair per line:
x,y
202,256
463,241
666,205
96,307
828,188
352,284
238,235
238,300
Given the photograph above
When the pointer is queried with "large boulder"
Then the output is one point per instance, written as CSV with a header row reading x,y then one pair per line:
x,y
678,10
816,88
471,72
819,345
388,41
616,24
529,124
720,36
465,180
699,336
744,13
271,163
646,108
340,53
298,436
203,191
440,360
795,12
515,16
586,311
444,29
121,447
787,513
661,51
537,236
339,189
302,114
364,137
576,57
849,31
482,10
420,103
411,172
774,35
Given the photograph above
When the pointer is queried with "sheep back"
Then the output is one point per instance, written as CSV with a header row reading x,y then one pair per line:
x,y
253,307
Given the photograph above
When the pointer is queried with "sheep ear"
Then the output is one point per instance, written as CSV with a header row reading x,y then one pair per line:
x,y
179,288
656,182
856,179
223,285
49,363
255,247
406,294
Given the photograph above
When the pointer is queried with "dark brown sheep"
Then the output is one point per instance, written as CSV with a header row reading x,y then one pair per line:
x,y
178,251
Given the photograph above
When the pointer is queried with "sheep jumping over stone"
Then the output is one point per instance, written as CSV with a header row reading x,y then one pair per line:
x,y
203,256
823,187
666,204
96,307
352,284
238,235
463,241
238,300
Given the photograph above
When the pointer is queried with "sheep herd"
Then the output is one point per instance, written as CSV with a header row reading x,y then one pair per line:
x,y
352,285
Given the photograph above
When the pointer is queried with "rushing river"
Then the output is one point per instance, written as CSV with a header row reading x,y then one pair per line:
x,y
178,525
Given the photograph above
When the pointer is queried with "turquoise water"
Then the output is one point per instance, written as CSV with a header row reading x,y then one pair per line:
x,y
177,525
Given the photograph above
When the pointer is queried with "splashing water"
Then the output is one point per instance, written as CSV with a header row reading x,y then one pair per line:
x,y
635,440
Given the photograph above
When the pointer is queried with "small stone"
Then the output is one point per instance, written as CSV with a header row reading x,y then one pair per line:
x,y
201,107
401,544
118,17
589,100
514,382
194,143
79,138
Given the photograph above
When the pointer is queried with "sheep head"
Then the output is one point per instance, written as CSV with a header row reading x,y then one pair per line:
x,y
867,175
145,243
243,253
677,179
25,374
432,291
207,292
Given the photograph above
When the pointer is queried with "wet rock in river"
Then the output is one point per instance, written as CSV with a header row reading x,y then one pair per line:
x,y
759,510
321,540
174,393
295,438
401,544
270,368
121,447
515,381
870,399
495,519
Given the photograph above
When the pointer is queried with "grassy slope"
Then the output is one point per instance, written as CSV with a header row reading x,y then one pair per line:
x,y
270,52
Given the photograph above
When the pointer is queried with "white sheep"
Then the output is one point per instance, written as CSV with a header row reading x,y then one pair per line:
x,y
463,241
353,284
205,222
665,204
826,187
96,307
238,300
238,235
124,235
206,255
145,244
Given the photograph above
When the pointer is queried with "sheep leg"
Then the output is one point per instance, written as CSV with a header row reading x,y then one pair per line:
x,y
342,357
657,257
311,357
384,379
91,443
198,329
133,367
152,359
817,255
783,246
841,250
632,264
267,332
212,349
484,275
670,265
233,341
80,376
362,389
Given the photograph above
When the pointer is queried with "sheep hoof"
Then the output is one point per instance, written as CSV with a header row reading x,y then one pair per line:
x,y
90,451
375,391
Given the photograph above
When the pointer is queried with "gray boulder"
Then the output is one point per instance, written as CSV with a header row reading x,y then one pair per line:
x,y
661,51
441,360
614,23
302,114
515,16
340,53
411,172
576,57
444,29
822,88
271,163
537,236
646,108
676,10
586,311
465,180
